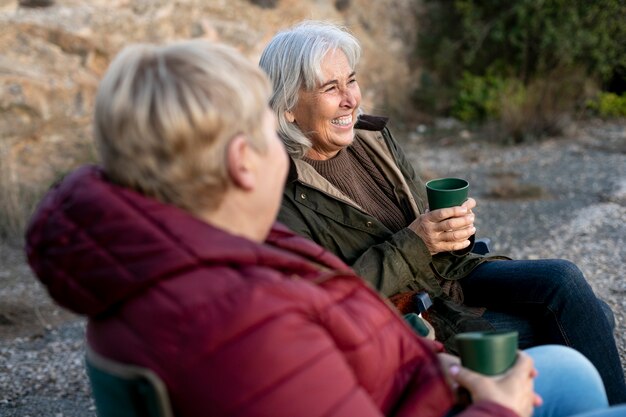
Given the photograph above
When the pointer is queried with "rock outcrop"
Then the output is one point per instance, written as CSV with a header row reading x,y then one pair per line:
x,y
52,58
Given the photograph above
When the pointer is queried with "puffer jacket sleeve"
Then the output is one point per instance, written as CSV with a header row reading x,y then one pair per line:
x,y
288,363
487,409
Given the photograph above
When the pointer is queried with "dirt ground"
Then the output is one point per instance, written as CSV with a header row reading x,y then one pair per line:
x,y
530,205
25,308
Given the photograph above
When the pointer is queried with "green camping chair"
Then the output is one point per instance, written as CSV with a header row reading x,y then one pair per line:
x,y
122,390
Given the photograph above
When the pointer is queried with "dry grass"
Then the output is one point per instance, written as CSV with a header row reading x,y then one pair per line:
x,y
545,107
508,187
17,201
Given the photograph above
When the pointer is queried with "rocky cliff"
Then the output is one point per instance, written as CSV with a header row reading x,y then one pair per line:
x,y
52,58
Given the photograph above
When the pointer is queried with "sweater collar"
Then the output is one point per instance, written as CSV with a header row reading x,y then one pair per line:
x,y
364,122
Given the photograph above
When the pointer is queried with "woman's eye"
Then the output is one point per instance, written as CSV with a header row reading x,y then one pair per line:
x,y
329,89
352,81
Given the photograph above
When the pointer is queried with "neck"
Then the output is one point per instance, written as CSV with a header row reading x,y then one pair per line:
x,y
233,217
321,155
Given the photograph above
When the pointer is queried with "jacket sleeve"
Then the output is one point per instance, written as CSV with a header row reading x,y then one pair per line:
x,y
401,262
281,364
487,409
390,266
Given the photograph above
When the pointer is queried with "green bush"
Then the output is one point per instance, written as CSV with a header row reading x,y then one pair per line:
x,y
609,105
541,108
479,98
477,52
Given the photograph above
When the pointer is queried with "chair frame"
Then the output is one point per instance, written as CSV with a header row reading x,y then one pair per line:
x,y
131,373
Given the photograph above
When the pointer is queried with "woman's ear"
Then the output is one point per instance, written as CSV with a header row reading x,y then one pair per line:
x,y
238,156
290,116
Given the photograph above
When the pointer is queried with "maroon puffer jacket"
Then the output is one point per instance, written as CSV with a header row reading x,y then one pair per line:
x,y
233,327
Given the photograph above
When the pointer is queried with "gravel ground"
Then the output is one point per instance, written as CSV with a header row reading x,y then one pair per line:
x,y
561,198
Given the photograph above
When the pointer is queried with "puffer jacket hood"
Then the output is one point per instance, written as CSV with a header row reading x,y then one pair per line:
x,y
93,243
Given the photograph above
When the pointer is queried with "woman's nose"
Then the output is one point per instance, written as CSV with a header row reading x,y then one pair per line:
x,y
349,98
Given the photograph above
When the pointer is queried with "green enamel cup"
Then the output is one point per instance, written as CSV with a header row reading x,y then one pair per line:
x,y
490,352
446,192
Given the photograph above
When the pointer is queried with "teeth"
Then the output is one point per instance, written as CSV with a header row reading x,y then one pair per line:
x,y
342,121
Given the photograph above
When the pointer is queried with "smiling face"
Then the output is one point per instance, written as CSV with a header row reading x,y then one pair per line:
x,y
327,114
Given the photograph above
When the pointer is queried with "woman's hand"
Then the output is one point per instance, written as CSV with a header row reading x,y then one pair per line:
x,y
446,229
514,389
448,362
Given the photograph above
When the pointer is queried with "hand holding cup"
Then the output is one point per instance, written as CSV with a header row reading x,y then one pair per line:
x,y
449,224
494,353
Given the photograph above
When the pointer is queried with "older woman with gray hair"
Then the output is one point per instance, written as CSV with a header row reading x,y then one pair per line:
x,y
352,190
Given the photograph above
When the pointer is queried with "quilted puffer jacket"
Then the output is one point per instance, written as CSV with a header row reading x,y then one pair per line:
x,y
233,327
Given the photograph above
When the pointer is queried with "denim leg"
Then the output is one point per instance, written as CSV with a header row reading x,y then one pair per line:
x,y
503,320
555,296
619,411
568,383
525,324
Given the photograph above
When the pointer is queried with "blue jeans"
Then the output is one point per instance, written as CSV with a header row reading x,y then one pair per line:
x,y
548,302
569,385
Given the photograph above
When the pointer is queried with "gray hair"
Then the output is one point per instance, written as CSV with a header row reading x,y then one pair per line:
x,y
292,60
164,116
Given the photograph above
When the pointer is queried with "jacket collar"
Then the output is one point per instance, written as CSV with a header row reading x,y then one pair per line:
x,y
368,130
369,122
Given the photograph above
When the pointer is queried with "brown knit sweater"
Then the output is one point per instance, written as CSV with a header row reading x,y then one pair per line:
x,y
353,172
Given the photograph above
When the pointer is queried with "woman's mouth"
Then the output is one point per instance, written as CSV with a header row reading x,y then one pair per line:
x,y
342,121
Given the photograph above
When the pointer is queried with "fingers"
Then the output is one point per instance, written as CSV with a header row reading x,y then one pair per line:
x,y
447,229
446,213
456,211
465,377
457,234
451,229
470,203
455,246
443,220
443,236
514,389
524,364
456,223
527,365
447,361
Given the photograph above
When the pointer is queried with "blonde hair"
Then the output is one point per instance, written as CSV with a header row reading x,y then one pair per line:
x,y
164,116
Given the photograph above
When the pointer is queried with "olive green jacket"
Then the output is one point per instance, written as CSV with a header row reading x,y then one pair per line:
x,y
391,262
